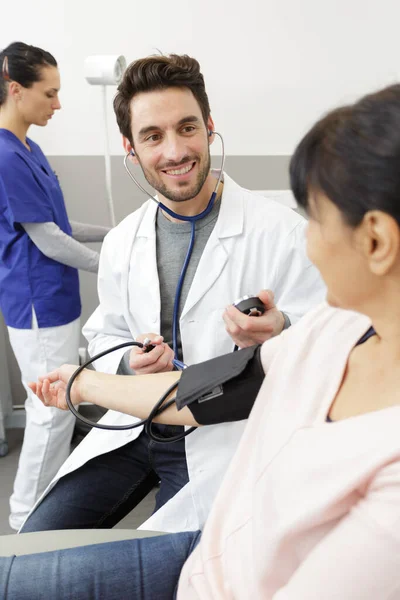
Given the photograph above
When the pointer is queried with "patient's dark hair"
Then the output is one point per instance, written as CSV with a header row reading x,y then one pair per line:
x,y
352,155
22,63
158,73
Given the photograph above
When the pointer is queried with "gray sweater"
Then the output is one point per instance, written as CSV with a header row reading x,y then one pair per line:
x,y
172,242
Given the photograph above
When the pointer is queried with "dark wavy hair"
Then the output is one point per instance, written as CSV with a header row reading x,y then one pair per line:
x,y
352,155
158,73
22,63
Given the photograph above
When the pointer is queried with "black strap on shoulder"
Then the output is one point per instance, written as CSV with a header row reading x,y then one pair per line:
x,y
371,331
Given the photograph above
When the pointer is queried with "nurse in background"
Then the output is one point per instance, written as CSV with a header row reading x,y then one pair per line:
x,y
40,252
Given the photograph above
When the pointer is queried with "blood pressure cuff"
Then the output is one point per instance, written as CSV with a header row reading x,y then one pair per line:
x,y
222,389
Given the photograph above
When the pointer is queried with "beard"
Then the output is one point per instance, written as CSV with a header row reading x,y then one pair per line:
x,y
185,193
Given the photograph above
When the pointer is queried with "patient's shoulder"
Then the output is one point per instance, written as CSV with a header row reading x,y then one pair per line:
x,y
319,332
326,320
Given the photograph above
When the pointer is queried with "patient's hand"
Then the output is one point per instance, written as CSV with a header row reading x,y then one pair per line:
x,y
248,331
50,388
157,360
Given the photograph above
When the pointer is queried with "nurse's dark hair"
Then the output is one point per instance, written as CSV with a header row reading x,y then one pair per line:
x,y
22,63
158,73
352,156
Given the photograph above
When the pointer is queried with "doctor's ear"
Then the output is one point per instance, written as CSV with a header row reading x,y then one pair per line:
x,y
210,130
129,150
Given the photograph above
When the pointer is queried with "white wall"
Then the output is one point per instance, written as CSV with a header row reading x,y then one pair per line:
x,y
271,66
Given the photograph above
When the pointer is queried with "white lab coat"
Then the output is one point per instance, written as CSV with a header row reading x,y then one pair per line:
x,y
256,244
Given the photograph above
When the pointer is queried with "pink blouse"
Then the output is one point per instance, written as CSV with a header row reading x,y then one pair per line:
x,y
308,510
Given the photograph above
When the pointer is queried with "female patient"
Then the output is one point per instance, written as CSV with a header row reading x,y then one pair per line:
x,y
310,506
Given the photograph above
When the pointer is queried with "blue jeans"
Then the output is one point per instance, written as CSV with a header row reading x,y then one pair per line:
x,y
108,487
142,569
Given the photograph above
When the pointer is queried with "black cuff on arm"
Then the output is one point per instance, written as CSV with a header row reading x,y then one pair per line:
x,y
222,389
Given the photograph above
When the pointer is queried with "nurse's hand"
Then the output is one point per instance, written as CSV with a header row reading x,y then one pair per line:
x,y
50,388
248,331
158,360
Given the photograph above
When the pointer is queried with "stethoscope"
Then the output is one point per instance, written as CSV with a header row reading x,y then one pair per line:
x,y
175,319
160,406
249,305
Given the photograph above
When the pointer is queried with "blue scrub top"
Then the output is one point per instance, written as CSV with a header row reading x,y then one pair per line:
x,y
30,193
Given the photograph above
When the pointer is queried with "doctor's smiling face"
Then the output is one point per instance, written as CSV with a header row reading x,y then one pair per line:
x,y
171,142
163,113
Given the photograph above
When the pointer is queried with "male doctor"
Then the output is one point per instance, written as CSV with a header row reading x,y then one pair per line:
x,y
245,244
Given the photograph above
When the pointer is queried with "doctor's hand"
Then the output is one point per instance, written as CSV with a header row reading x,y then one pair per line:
x,y
157,360
50,388
248,331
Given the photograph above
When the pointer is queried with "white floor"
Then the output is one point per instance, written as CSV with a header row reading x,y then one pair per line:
x,y
8,467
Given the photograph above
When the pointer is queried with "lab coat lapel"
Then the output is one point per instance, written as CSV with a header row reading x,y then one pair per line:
x,y
144,286
230,223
